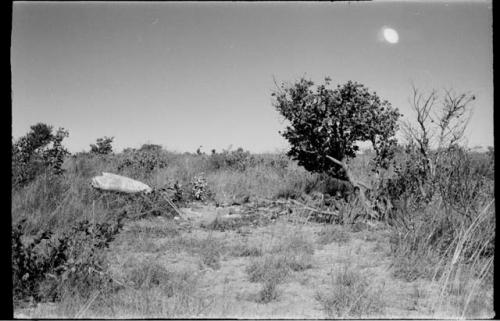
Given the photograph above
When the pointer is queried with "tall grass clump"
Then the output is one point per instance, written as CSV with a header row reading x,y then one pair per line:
x,y
465,273
448,236
443,212
438,198
349,293
458,196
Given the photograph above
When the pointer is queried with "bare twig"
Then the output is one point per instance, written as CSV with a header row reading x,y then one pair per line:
x,y
314,209
455,108
365,203
348,173
173,206
87,305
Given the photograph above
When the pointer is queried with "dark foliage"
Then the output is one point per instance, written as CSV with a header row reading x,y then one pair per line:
x,y
102,146
38,151
331,122
143,161
48,265
238,159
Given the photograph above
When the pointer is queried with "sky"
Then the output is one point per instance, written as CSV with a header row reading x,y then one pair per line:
x,y
184,75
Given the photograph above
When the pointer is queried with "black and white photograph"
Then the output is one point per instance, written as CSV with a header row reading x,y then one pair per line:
x,y
252,160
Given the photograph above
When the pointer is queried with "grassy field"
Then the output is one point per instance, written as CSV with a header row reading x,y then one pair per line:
x,y
251,242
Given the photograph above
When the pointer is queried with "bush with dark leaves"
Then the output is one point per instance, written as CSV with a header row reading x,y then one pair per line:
x,y
238,159
141,162
40,150
47,266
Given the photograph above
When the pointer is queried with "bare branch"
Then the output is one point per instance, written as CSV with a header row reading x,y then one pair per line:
x,y
336,161
280,90
451,122
348,173
315,209
422,106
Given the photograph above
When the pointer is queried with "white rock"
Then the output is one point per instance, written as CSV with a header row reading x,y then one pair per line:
x,y
118,183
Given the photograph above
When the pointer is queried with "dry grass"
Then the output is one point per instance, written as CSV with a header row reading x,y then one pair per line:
x,y
208,248
245,250
259,182
459,260
160,230
155,292
349,294
291,253
148,290
457,257
465,277
330,234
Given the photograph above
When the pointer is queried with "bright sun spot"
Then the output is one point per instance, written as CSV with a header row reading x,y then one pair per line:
x,y
391,35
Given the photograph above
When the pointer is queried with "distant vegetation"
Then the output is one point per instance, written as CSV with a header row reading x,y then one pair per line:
x,y
102,146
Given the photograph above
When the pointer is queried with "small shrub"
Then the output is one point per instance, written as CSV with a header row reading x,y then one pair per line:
x,y
27,269
48,266
199,189
238,160
178,196
463,182
102,146
141,163
38,151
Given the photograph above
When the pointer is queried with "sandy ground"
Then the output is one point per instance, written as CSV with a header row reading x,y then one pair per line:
x,y
234,296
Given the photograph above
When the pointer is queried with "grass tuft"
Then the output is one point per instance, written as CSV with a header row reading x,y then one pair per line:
x,y
332,234
349,295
